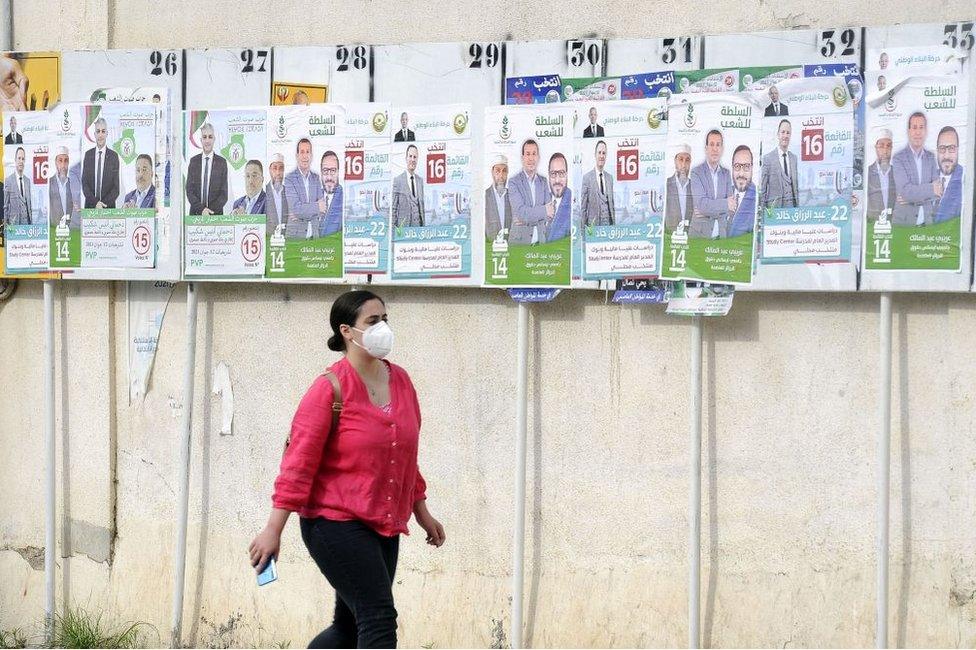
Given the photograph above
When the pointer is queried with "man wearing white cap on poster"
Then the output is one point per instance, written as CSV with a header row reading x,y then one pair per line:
x,y
679,202
498,208
276,204
881,183
63,190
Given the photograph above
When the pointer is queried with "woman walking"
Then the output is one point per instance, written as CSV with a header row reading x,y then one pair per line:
x,y
350,472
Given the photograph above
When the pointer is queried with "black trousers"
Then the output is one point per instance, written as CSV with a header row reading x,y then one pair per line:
x,y
360,564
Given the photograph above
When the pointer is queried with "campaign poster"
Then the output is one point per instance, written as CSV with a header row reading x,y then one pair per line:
x,y
539,89
647,85
37,88
620,184
167,234
713,153
692,82
430,196
26,203
917,131
583,89
306,194
225,194
366,236
806,172
284,93
528,195
115,145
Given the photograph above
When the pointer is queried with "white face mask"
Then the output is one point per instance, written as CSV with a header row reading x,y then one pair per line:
x,y
377,339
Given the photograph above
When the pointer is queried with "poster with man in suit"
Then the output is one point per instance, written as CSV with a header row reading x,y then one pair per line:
x,y
723,131
537,142
224,212
806,178
620,184
311,140
430,198
925,113
25,208
366,236
113,143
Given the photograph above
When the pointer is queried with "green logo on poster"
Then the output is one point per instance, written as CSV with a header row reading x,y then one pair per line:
x,y
126,146
840,96
379,122
460,123
234,151
66,122
282,128
505,132
690,119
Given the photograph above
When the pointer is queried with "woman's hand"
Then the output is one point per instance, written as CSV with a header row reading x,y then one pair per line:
x,y
433,528
265,545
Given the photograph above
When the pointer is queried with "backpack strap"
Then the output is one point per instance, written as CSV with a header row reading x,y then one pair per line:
x,y
336,405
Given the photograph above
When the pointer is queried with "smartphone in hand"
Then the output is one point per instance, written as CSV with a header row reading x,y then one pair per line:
x,y
270,573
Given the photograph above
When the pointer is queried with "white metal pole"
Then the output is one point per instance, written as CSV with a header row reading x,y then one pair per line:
x,y
884,469
521,408
694,492
49,487
179,563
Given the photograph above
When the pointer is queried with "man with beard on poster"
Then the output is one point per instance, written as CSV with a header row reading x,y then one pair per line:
x,y
680,204
950,174
743,218
881,182
557,226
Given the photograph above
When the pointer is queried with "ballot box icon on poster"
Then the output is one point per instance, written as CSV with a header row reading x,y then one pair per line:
x,y
278,236
883,226
680,235
500,244
62,231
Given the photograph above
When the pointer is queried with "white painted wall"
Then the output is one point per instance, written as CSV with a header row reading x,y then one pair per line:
x,y
790,418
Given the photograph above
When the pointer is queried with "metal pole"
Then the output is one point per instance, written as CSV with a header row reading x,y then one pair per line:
x,y
49,487
521,408
183,502
694,492
884,469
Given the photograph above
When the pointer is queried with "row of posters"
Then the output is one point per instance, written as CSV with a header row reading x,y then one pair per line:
x,y
708,175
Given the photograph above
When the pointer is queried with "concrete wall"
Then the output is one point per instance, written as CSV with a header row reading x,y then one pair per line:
x,y
789,418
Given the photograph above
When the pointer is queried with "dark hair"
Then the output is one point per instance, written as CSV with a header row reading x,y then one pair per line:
x,y
255,161
948,129
345,311
329,154
918,114
306,141
558,156
742,147
781,125
711,133
598,143
527,143
146,157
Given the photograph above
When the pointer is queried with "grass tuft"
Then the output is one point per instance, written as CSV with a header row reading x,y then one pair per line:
x,y
76,628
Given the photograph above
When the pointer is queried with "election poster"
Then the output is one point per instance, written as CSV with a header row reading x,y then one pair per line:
x,y
620,184
115,224
285,93
366,236
528,195
806,179
430,198
305,230
538,89
36,87
707,81
25,197
917,131
582,89
713,144
225,196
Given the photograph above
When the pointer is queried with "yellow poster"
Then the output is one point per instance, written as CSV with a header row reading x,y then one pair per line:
x,y
29,81
285,93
